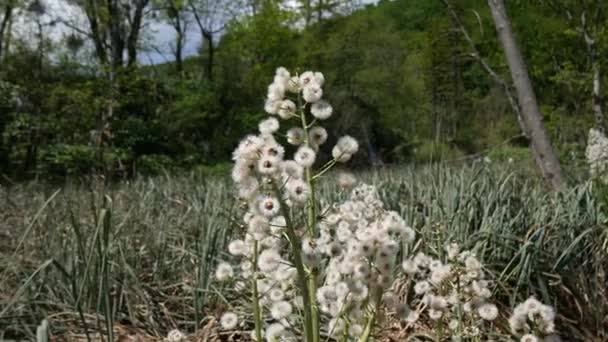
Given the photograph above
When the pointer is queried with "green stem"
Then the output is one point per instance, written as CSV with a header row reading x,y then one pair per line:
x,y
311,224
371,322
324,170
299,264
255,296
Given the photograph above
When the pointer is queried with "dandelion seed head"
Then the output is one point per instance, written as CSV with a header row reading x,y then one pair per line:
x,y
175,336
286,109
317,135
224,271
229,321
305,156
321,110
312,93
280,310
487,311
529,338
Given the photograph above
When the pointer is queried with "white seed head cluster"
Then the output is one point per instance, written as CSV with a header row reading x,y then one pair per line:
x,y
597,155
533,320
175,336
350,247
452,292
274,189
359,240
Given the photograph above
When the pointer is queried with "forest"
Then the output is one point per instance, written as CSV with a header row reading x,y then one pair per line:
x,y
413,87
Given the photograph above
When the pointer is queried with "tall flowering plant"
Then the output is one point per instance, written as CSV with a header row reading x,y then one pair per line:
x,y
312,271
304,261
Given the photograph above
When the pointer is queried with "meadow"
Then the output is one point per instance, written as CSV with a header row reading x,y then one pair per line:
x,y
139,255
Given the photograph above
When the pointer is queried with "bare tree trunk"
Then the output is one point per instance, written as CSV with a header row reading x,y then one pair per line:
x,y
179,47
597,82
6,18
541,143
210,55
484,64
133,38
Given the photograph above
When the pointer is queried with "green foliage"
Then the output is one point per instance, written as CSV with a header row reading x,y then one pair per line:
x,y
431,151
401,77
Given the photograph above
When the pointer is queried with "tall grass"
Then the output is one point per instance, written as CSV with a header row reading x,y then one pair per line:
x,y
140,254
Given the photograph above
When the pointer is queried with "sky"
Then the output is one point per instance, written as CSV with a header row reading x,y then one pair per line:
x,y
158,36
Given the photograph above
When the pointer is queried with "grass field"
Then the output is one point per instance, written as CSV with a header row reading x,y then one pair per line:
x,y
139,254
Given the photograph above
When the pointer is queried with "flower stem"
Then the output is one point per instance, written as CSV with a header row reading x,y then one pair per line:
x,y
311,225
257,315
371,321
299,264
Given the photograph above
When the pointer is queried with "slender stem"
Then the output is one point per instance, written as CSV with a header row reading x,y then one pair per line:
x,y
371,321
311,224
255,296
297,260
324,170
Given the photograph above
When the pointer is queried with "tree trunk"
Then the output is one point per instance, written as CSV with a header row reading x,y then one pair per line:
x,y
208,35
541,143
8,12
597,82
179,64
133,37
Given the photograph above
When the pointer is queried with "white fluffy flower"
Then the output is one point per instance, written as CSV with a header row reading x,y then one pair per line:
x,y
321,110
280,310
276,295
282,72
268,165
269,260
409,267
295,136
312,93
224,271
346,180
274,332
276,92
273,150
269,126
307,78
488,311
237,247
272,107
286,109
340,155
345,148
269,206
319,78
229,321
292,169
293,86
317,135
529,338
422,287
348,144
175,336
305,156
298,190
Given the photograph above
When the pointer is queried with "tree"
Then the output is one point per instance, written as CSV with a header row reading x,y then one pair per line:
x,y
324,8
7,9
541,143
175,13
589,18
211,17
114,28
